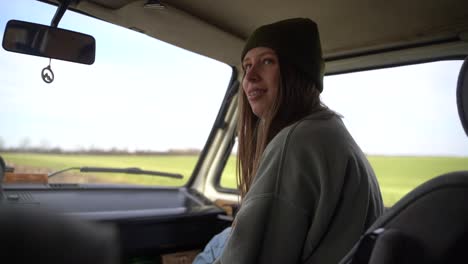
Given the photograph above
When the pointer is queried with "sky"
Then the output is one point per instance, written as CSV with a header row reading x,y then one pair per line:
x,y
408,110
140,94
144,94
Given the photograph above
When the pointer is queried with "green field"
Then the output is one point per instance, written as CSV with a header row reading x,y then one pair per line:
x,y
396,175
45,163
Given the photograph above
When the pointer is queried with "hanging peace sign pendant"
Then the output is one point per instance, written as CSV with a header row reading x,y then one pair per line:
x,y
47,74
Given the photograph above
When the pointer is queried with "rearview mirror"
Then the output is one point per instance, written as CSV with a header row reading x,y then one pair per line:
x,y
50,42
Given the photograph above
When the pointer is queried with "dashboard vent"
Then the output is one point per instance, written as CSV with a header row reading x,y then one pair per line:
x,y
20,197
26,196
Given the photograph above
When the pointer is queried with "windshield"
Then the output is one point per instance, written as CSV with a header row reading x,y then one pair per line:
x,y
143,104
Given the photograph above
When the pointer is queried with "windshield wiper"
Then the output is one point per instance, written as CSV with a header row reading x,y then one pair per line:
x,y
120,170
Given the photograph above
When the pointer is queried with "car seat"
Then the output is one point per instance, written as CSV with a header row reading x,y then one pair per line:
x,y
30,234
429,224
34,235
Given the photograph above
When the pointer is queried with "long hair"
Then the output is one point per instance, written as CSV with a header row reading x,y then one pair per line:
x,y
297,98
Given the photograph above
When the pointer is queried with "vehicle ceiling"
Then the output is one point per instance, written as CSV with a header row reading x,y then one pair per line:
x,y
351,31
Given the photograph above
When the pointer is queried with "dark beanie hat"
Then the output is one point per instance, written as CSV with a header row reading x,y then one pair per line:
x,y
294,40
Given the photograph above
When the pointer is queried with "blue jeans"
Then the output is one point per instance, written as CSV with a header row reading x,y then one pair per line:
x,y
214,248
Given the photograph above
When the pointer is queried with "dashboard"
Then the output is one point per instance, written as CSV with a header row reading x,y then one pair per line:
x,y
151,221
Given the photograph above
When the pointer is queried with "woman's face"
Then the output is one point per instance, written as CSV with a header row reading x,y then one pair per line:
x,y
261,79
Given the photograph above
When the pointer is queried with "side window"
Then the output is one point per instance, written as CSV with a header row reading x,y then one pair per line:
x,y
228,177
404,118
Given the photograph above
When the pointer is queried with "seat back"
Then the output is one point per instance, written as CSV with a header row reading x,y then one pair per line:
x,y
426,226
2,175
35,235
429,224
462,95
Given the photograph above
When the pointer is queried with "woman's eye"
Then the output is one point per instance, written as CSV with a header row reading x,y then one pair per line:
x,y
247,66
267,61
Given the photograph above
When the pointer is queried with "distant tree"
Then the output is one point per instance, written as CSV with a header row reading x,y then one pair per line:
x,y
56,150
44,145
2,144
25,144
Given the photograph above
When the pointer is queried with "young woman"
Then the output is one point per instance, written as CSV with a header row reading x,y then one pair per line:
x,y
308,191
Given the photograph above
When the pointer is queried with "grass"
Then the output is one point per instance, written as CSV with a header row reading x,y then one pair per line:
x,y
396,175
399,175
44,163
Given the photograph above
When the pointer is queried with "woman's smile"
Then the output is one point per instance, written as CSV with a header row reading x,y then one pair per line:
x,y
256,94
261,79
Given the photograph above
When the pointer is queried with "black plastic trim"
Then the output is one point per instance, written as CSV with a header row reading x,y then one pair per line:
x,y
461,102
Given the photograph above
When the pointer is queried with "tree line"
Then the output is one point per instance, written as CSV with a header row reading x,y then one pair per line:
x,y
100,151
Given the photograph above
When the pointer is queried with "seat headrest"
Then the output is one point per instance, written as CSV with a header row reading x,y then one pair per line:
x,y
2,167
36,235
462,95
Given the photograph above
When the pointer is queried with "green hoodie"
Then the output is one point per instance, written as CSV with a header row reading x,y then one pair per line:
x,y
313,196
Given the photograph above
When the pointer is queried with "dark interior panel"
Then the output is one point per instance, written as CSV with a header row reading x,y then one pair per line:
x,y
150,221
